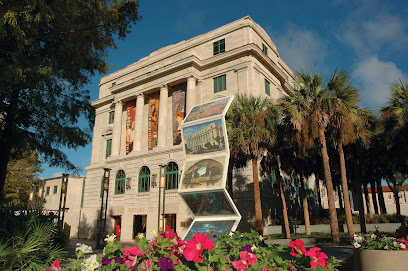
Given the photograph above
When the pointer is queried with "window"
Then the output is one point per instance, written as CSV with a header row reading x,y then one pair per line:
x,y
120,182
267,87
144,179
264,49
108,148
55,189
220,83
111,116
47,190
219,47
172,176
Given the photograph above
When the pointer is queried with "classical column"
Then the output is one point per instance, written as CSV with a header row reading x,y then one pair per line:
x,y
117,128
138,123
191,90
162,131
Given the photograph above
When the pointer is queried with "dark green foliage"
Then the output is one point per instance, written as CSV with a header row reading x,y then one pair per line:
x,y
48,50
29,241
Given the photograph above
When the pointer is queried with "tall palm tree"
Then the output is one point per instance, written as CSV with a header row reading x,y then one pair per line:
x,y
308,105
348,124
249,130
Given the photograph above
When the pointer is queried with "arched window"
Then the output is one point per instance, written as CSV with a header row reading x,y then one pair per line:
x,y
172,176
144,179
120,182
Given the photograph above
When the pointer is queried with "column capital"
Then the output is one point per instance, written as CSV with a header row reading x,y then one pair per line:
x,y
191,78
164,86
141,95
117,101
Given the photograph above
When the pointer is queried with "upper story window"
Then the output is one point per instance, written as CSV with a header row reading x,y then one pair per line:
x,y
219,47
55,189
264,49
47,190
220,83
120,182
267,87
172,176
111,116
108,148
144,179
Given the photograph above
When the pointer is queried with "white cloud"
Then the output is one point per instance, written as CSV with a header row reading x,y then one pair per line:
x,y
375,78
56,174
301,48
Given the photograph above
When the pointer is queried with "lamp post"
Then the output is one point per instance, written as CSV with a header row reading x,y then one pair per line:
x,y
31,197
104,208
40,193
63,199
162,186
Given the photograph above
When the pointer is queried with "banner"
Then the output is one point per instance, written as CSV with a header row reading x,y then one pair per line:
x,y
178,109
153,120
130,125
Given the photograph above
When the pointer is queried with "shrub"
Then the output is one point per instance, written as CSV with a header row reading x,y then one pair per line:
x,y
378,241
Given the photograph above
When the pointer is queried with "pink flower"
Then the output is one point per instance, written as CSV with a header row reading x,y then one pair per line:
x,y
316,257
264,269
246,259
297,247
54,266
131,254
196,245
147,264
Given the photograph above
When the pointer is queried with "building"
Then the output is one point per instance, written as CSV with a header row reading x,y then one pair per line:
x,y
73,203
389,200
138,116
206,138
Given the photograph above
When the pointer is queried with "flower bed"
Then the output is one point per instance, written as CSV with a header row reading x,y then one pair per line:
x,y
167,251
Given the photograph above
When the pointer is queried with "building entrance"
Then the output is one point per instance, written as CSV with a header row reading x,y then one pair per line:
x,y
118,226
139,225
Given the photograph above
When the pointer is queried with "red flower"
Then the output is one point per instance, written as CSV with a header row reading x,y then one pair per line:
x,y
131,254
196,245
54,266
297,247
317,257
246,259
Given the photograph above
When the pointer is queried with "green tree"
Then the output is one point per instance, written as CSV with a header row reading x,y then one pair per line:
x,y
48,50
249,130
22,172
309,108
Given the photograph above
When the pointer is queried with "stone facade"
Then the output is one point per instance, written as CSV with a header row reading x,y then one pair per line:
x,y
193,67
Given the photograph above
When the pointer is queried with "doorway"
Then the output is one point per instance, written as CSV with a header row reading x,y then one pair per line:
x,y
139,225
118,226
171,221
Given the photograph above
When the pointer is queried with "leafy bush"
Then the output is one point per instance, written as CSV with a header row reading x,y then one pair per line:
x,y
378,241
29,241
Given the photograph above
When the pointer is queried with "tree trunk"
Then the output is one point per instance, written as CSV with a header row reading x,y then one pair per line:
x,y
257,198
339,193
346,198
334,224
367,200
8,136
396,198
283,200
229,181
319,197
360,201
380,193
374,196
305,204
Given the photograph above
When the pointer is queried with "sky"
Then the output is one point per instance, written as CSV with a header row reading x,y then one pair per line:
x,y
368,38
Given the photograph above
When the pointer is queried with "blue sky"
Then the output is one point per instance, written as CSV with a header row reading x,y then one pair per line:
x,y
369,38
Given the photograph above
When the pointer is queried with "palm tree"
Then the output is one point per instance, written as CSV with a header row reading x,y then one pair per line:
x,y
249,130
308,106
348,124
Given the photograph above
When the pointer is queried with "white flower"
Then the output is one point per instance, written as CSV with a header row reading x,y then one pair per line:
x,y
90,264
386,247
356,245
261,238
140,236
395,244
110,238
373,236
84,248
154,233
253,248
358,238
403,246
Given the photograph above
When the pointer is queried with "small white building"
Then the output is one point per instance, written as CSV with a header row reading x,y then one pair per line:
x,y
73,203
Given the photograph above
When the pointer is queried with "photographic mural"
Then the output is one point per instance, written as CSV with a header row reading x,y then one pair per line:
x,y
130,125
153,120
178,109
209,109
204,137
212,228
203,173
209,203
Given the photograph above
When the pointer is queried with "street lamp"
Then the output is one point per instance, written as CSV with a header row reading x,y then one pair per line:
x,y
162,186
40,193
104,208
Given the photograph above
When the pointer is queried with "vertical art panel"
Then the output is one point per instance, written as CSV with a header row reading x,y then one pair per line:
x,y
130,125
153,120
178,109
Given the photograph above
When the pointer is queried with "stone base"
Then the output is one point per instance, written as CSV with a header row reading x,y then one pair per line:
x,y
379,260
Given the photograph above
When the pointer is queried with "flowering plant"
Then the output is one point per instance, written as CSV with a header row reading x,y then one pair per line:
x,y
377,241
238,251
